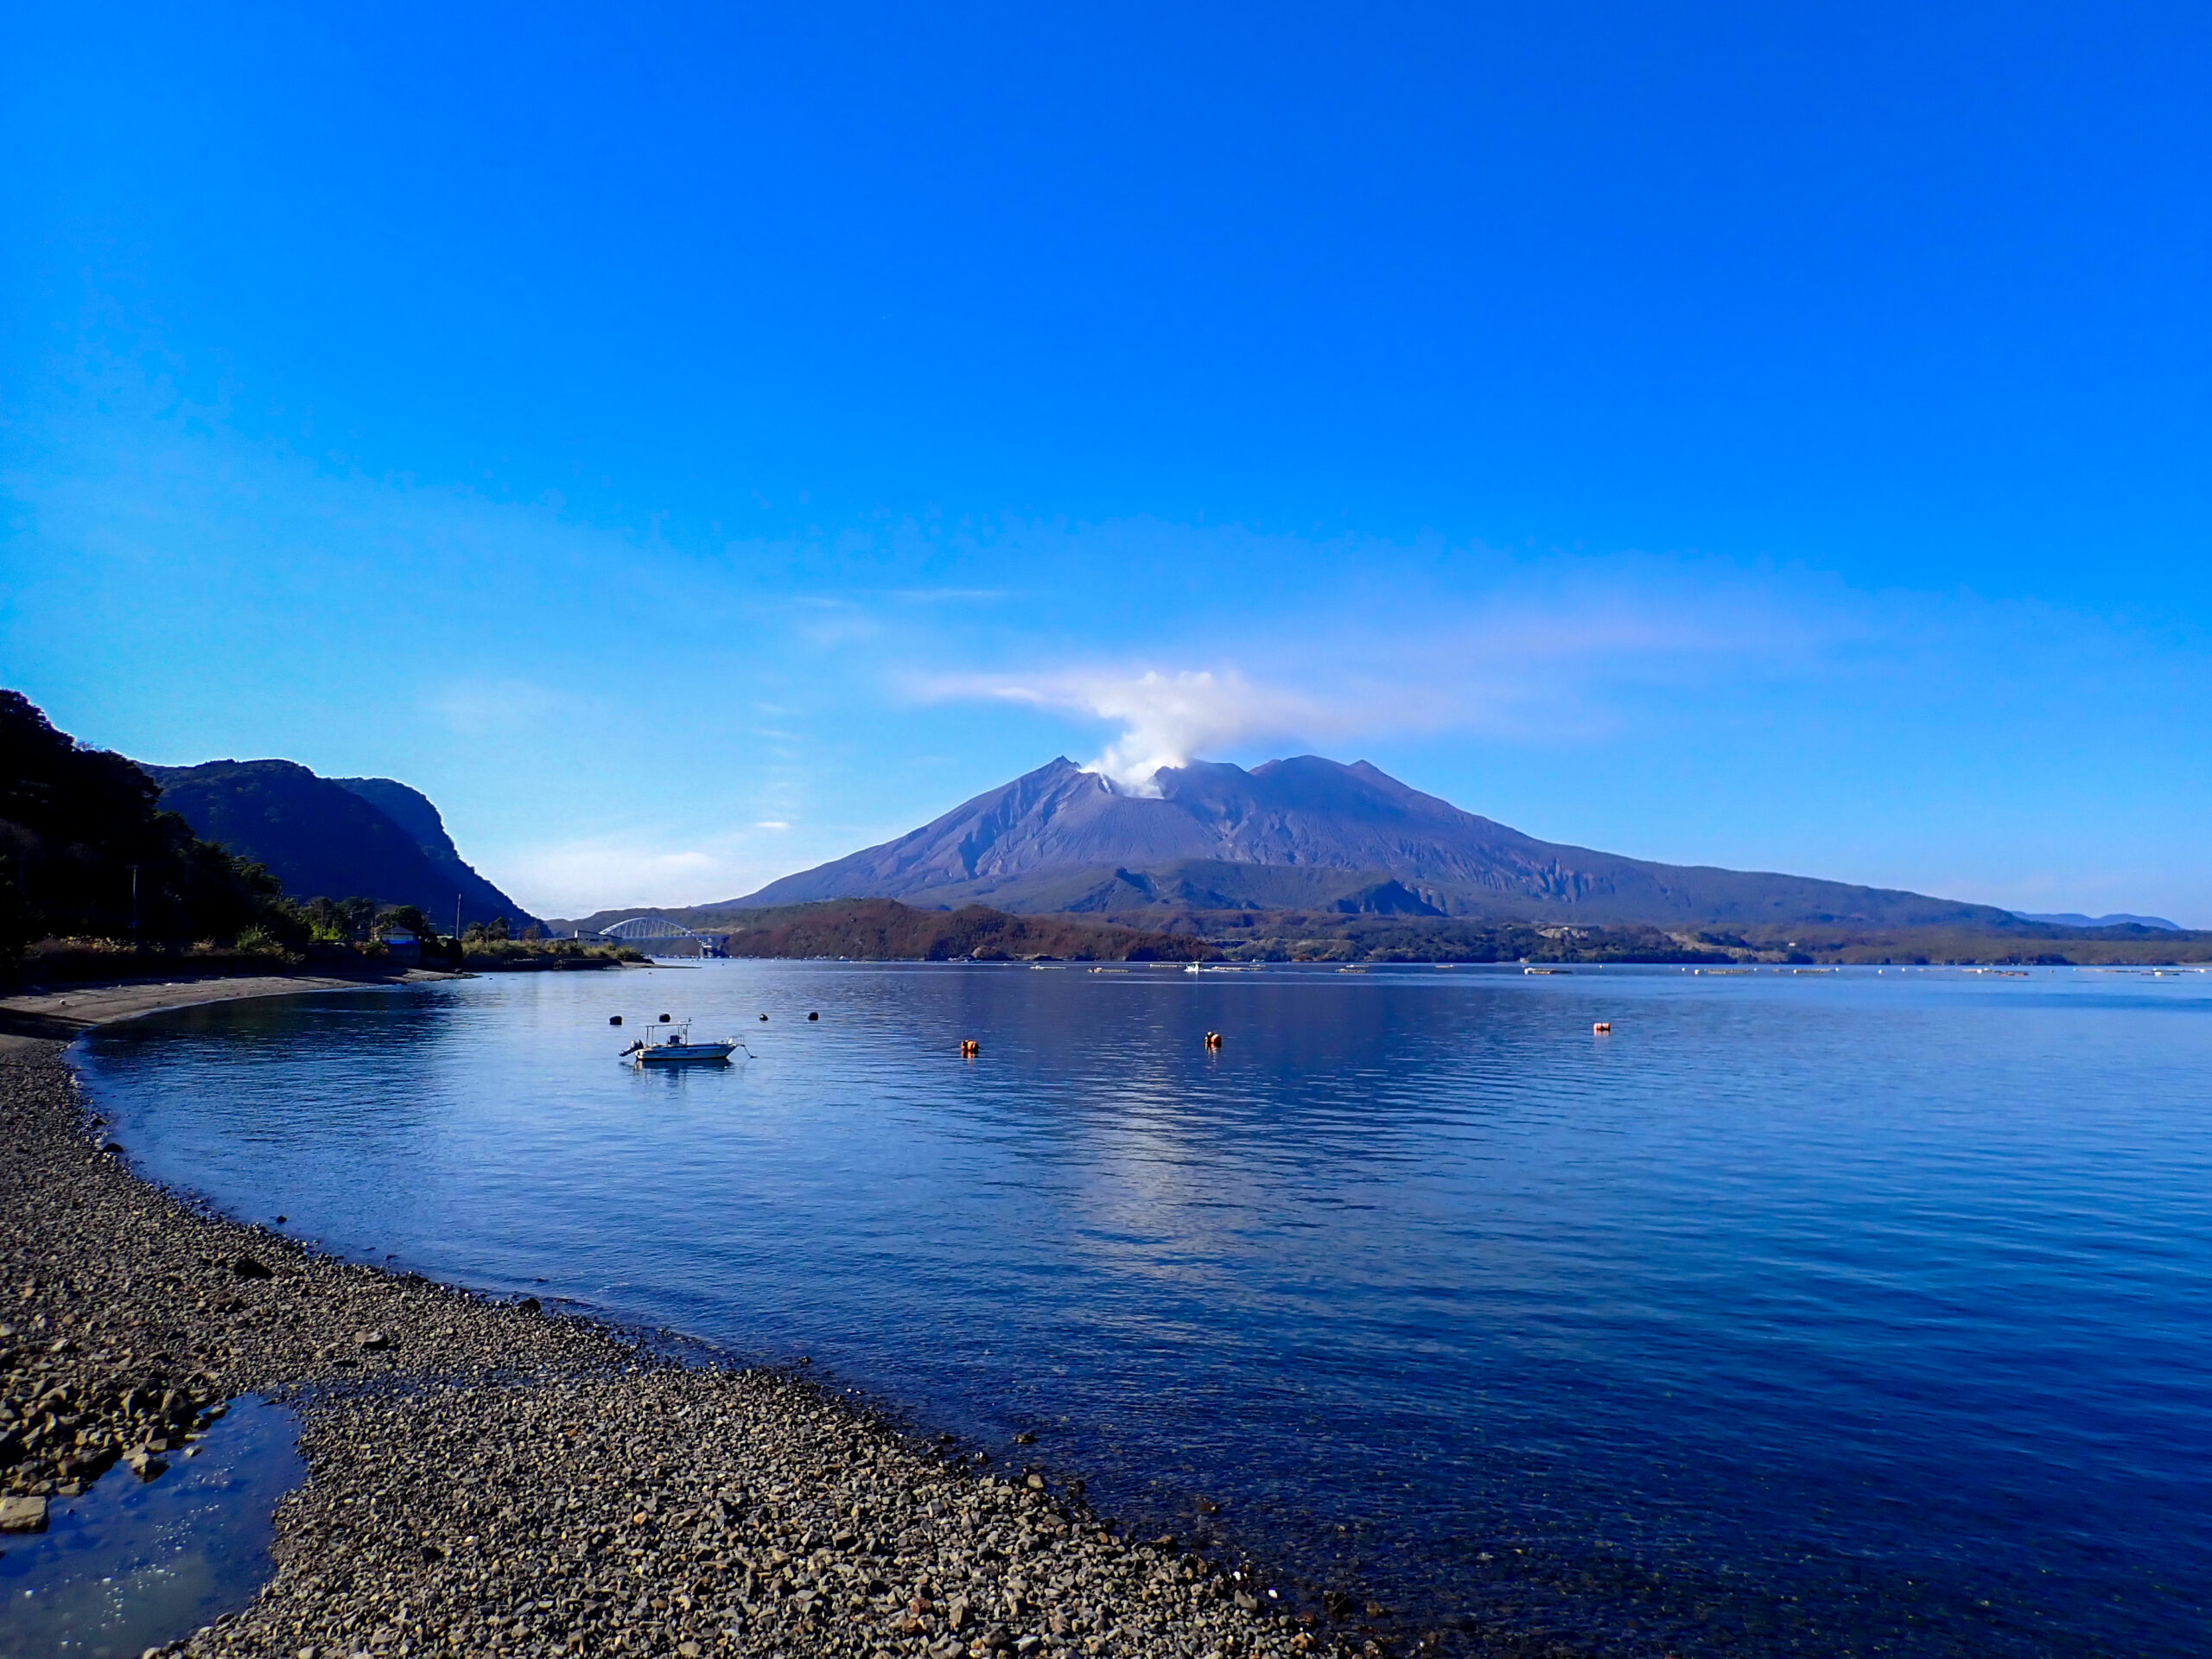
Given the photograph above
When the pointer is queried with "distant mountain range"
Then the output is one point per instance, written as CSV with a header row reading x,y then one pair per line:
x,y
2118,918
334,837
1312,834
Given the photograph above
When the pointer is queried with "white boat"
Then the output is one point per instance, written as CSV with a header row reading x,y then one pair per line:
x,y
678,1049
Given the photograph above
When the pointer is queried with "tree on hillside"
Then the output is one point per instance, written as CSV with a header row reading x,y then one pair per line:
x,y
83,852
408,918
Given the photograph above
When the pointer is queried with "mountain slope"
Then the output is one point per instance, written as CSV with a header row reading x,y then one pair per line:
x,y
86,852
1309,832
2118,918
413,811
320,838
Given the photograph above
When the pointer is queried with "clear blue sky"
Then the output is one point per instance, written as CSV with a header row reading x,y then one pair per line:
x,y
692,443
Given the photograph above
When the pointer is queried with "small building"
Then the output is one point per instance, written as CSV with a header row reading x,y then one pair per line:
x,y
400,944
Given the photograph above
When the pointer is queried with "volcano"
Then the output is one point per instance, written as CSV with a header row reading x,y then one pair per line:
x,y
1309,834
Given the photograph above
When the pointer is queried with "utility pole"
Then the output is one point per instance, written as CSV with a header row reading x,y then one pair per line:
x,y
134,906
456,915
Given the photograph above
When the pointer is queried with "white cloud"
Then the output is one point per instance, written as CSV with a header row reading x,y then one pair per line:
x,y
1563,672
1166,719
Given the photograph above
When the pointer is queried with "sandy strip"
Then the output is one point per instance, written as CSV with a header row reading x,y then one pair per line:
x,y
78,1007
489,1478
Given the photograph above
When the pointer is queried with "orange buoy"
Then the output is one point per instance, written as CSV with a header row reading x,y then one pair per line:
x,y
969,1048
1603,1028
1213,1039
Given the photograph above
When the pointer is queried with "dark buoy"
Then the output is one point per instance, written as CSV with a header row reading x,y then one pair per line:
x,y
664,1018
814,1016
764,1016
614,1018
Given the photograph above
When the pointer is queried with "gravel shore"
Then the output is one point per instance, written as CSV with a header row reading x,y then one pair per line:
x,y
488,1479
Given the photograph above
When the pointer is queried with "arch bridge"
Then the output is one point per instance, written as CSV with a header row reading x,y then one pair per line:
x,y
659,930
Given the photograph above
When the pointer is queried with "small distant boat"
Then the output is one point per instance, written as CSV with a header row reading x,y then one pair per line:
x,y
678,1049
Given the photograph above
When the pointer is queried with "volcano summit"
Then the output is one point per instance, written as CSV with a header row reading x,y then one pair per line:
x,y
1308,833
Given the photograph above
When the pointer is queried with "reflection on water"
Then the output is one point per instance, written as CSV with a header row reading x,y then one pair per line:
x,y
1851,1314
131,1565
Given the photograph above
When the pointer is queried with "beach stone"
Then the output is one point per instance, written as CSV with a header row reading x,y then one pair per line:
x,y
371,1342
246,1267
23,1514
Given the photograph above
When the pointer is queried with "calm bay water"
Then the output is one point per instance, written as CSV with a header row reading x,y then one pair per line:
x,y
1825,1314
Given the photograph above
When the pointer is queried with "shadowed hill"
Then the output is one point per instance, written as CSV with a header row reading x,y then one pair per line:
x,y
412,811
320,837
86,852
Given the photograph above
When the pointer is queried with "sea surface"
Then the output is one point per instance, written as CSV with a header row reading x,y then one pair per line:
x,y
1834,1313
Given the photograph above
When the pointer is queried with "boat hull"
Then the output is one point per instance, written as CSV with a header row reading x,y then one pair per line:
x,y
688,1054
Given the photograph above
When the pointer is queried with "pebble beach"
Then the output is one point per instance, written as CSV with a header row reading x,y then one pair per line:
x,y
488,1477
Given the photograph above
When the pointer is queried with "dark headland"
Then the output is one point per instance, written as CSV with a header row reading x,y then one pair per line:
x,y
489,1478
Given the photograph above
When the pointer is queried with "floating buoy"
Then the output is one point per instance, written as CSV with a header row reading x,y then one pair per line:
x,y
1603,1028
969,1048
764,1016
814,1016
614,1018
664,1018
1213,1039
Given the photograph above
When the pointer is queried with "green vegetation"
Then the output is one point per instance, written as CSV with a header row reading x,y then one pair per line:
x,y
86,853
1327,936
1291,936
479,951
2055,947
882,930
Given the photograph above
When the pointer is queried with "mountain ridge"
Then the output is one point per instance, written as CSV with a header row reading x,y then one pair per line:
x,y
417,814
1306,832
2116,919
320,837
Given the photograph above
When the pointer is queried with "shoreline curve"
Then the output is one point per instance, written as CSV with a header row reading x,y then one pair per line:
x,y
488,1477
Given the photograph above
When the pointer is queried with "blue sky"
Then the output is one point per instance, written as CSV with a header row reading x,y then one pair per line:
x,y
690,443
